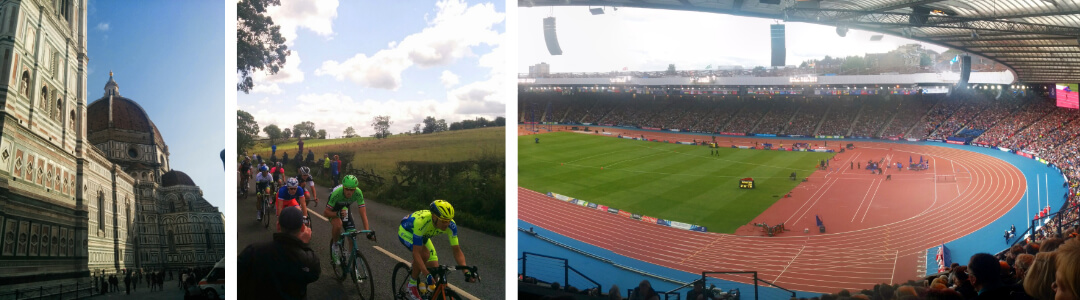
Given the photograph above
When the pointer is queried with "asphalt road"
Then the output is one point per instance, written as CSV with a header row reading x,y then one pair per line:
x,y
485,251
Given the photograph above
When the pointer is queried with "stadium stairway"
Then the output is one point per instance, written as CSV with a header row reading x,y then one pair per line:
x,y
817,128
855,121
727,123
791,119
922,120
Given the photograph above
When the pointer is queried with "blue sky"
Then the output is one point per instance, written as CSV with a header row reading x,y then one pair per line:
x,y
650,39
168,57
354,60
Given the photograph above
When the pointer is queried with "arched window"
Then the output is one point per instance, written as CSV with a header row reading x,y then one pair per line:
x,y
44,97
24,87
101,211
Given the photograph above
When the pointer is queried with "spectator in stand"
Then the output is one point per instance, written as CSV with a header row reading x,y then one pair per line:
x,y
614,293
1067,278
1023,263
1040,277
644,291
984,271
1049,245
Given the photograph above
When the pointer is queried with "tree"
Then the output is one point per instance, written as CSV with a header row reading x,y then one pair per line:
x,y
246,131
273,132
286,133
381,124
305,129
500,121
416,129
322,134
440,125
259,44
429,125
671,69
350,132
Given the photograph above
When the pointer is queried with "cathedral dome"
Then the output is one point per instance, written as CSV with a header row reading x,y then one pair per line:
x,y
174,178
112,114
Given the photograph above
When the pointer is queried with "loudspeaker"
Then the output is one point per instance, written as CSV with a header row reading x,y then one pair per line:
x,y
779,49
965,69
550,38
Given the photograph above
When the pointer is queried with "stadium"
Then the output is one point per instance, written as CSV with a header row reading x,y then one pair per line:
x,y
798,182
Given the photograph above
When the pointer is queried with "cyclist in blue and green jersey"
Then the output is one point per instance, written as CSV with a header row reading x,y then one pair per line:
x,y
416,231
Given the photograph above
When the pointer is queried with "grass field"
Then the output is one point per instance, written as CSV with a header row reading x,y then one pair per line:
x,y
383,155
668,181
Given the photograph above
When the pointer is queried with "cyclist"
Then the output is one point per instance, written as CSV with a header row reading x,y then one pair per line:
x,y
292,195
262,187
340,198
245,173
308,183
416,231
279,174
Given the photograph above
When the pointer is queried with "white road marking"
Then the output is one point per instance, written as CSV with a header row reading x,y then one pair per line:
x,y
457,290
313,213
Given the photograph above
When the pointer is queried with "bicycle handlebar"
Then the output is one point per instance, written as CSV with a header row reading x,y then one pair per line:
x,y
442,270
351,233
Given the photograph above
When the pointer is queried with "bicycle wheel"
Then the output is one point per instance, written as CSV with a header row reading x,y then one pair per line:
x,y
266,212
339,268
362,276
400,281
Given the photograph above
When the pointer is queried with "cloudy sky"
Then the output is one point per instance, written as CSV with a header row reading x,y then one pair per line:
x,y
650,39
170,69
354,60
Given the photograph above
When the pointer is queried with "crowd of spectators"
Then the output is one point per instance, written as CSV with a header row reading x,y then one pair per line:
x,y
1033,109
1033,136
876,111
908,113
807,118
840,117
748,117
777,118
725,110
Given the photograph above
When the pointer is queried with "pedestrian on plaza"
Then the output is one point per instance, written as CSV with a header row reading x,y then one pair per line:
x,y
127,283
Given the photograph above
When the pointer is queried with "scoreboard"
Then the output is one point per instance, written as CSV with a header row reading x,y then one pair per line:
x,y
746,183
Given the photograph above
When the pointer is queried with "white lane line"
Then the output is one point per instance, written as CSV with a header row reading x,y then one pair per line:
x,y
313,213
457,290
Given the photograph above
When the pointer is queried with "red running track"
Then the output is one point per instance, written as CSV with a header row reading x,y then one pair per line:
x,y
878,230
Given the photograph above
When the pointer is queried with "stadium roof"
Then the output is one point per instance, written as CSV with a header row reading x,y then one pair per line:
x,y
1037,39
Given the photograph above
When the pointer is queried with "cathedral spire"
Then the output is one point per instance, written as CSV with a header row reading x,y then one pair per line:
x,y
111,88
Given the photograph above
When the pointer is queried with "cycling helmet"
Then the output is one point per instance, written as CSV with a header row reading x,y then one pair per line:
x,y
305,170
263,168
292,182
279,164
350,182
442,210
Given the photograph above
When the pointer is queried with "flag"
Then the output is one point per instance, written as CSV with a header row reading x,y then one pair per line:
x,y
909,160
819,224
942,258
955,59
624,68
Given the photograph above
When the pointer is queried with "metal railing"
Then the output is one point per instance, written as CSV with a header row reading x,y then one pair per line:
x,y
556,263
756,280
60,291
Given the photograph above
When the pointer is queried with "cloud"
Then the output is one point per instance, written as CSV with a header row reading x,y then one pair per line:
x,y
103,26
315,15
449,36
449,79
290,73
382,70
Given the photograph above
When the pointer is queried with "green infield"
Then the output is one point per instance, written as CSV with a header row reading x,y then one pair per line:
x,y
668,181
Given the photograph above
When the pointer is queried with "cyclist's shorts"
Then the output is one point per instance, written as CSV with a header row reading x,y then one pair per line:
x,y
348,224
406,238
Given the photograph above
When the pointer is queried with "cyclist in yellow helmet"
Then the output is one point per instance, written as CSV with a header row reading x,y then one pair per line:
x,y
416,231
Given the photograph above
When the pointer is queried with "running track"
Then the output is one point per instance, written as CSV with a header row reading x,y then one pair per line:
x,y
873,239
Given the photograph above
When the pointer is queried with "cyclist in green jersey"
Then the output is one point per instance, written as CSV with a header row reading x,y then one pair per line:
x,y
341,198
